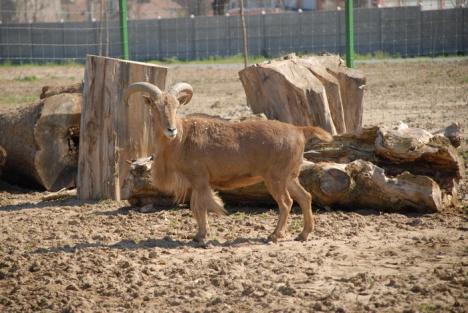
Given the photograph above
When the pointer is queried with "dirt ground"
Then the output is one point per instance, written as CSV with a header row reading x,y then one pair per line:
x,y
73,256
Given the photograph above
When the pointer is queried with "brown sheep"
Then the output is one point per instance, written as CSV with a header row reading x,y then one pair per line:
x,y
198,154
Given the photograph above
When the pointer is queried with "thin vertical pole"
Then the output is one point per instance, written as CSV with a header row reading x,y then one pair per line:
x,y
123,28
349,33
244,32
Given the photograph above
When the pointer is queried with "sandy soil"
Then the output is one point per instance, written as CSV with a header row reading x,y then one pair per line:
x,y
72,256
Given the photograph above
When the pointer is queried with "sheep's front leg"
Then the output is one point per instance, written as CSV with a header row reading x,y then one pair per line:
x,y
198,205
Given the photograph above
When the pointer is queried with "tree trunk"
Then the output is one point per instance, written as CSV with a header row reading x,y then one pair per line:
x,y
112,132
357,185
42,143
396,151
318,91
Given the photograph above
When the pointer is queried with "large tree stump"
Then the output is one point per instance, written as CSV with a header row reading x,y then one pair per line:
x,y
112,132
318,91
42,143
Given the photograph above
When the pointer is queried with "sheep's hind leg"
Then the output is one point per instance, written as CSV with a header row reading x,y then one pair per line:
x,y
304,199
278,191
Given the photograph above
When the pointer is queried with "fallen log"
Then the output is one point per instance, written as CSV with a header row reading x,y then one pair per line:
x,y
379,168
42,142
359,184
397,150
317,91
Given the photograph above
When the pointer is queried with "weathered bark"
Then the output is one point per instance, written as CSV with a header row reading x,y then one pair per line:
x,y
138,187
332,88
289,92
352,83
111,131
42,143
453,132
317,91
397,150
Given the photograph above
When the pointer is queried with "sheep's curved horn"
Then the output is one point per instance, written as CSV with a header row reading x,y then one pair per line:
x,y
182,91
153,90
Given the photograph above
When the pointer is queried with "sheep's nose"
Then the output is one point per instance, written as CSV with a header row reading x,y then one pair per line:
x,y
171,132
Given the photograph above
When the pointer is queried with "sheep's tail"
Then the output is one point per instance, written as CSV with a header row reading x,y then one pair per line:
x,y
208,200
316,132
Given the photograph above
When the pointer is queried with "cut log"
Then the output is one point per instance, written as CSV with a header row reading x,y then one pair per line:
x,y
3,158
289,92
110,131
317,91
352,83
395,150
42,143
359,184
332,89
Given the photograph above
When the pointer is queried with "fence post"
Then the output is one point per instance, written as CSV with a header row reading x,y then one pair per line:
x,y
244,33
123,28
349,34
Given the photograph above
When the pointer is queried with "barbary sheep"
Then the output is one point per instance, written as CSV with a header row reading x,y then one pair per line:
x,y
197,155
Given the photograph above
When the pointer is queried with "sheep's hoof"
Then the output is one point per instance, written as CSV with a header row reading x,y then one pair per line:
x,y
200,240
301,237
273,238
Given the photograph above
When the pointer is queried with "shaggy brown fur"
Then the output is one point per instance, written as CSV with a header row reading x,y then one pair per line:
x,y
199,154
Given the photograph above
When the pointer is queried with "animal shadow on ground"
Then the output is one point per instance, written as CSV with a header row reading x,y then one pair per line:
x,y
164,243
44,204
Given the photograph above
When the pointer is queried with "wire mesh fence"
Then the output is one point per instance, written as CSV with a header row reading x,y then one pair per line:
x,y
42,31
38,31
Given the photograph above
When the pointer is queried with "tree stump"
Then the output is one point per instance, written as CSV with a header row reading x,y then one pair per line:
x,y
42,143
111,132
318,91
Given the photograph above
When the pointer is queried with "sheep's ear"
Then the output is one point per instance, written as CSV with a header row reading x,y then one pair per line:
x,y
184,98
183,92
